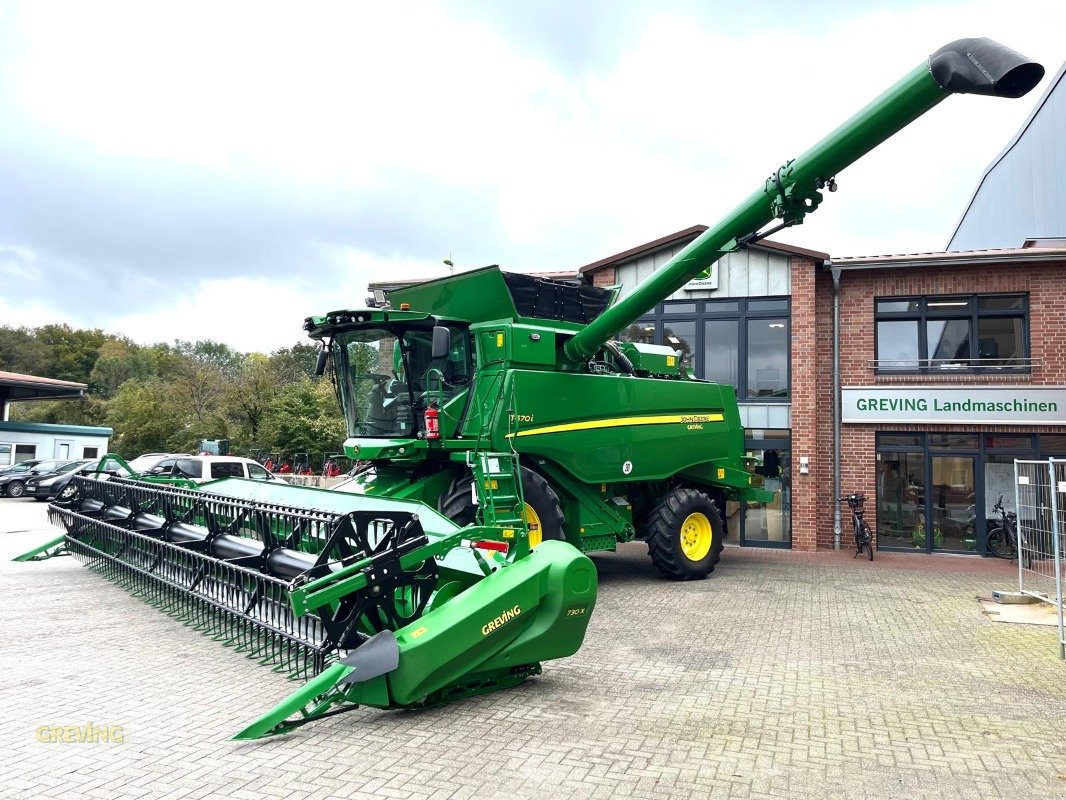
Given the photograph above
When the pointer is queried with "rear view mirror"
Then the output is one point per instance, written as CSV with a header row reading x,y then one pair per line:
x,y
320,367
442,342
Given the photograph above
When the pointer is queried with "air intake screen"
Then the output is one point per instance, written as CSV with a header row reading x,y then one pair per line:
x,y
548,299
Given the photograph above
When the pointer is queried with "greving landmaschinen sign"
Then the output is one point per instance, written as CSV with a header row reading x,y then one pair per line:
x,y
1002,405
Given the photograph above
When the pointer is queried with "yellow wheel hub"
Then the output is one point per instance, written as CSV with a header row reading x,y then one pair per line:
x,y
536,535
696,536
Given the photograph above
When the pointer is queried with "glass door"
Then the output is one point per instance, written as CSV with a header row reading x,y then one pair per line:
x,y
769,459
900,501
952,509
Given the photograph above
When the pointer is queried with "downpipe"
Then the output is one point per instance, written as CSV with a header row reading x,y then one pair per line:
x,y
835,270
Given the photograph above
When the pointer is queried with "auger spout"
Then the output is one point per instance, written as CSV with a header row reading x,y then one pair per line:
x,y
966,66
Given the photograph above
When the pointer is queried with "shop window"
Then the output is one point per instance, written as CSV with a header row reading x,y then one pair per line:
x,y
721,351
944,334
642,331
679,308
681,336
90,452
1052,445
930,498
953,441
5,455
900,439
743,343
25,452
767,357
1000,442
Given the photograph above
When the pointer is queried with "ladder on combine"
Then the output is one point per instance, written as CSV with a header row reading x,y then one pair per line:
x,y
498,489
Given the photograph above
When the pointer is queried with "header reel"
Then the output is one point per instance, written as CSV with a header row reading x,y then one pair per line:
x,y
230,568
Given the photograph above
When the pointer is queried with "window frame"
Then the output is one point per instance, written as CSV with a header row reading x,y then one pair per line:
x,y
923,315
727,309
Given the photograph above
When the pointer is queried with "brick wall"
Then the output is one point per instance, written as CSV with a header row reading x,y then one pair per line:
x,y
804,391
812,517
604,277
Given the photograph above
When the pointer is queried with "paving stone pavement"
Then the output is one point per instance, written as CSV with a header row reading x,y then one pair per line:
x,y
779,677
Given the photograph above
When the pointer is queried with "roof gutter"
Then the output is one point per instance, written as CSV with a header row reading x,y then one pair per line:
x,y
1037,257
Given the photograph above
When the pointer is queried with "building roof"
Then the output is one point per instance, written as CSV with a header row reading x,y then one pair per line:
x,y
685,235
950,258
1043,101
16,386
48,427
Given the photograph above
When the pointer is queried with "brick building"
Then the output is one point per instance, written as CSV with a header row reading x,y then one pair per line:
x,y
951,366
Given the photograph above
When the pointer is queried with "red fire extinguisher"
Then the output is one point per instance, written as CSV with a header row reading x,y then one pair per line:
x,y
432,421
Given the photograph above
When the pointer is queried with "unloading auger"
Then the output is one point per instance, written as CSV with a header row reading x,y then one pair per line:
x,y
452,569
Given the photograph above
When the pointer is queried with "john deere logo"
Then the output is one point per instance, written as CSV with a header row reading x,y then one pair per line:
x,y
501,620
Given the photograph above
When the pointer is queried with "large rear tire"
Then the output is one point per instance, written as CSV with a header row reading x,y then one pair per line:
x,y
684,535
543,511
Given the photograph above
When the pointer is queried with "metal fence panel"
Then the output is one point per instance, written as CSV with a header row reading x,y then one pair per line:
x,y
1040,500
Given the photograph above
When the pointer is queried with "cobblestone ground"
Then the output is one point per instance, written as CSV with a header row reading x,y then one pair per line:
x,y
780,676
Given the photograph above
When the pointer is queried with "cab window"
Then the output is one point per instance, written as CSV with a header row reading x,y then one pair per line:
x,y
164,467
227,469
188,468
257,473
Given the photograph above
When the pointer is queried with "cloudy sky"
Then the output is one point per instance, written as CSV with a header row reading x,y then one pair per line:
x,y
223,170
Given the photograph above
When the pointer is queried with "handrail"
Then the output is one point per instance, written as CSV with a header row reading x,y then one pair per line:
x,y
948,365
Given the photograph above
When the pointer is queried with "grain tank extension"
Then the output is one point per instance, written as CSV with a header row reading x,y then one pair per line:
x,y
507,433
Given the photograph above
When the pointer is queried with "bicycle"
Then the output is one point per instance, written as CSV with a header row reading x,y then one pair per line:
x,y
864,538
1002,540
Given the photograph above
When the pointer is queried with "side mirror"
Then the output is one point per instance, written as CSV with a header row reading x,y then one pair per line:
x,y
442,342
320,367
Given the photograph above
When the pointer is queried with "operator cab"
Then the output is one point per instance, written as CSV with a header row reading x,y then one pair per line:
x,y
388,376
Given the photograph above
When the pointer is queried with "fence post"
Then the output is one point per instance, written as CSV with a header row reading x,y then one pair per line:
x,y
1057,550
1018,525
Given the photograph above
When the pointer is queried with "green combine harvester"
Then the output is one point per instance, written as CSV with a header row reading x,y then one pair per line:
x,y
506,433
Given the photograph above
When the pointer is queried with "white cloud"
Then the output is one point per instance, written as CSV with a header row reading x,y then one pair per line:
x,y
410,112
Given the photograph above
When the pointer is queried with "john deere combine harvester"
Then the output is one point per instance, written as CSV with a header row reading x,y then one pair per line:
x,y
507,434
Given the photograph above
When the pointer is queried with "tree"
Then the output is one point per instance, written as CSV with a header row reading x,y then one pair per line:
x,y
216,354
252,391
73,352
21,352
86,411
120,360
296,362
304,418
146,419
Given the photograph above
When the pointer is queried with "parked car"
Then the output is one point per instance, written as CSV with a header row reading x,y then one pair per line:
x,y
200,469
142,464
52,484
21,466
13,483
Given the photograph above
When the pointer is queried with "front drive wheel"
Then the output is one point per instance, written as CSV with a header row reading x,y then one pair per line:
x,y
16,489
684,535
543,511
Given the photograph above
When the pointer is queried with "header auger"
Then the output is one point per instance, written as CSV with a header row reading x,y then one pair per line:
x,y
504,432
